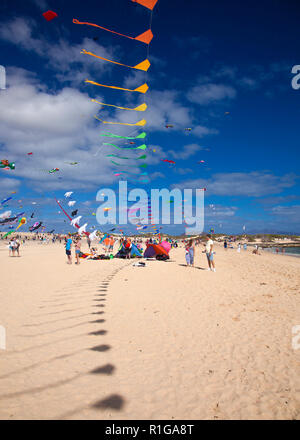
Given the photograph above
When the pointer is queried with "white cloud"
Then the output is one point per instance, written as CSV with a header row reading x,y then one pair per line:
x,y
186,152
254,184
206,94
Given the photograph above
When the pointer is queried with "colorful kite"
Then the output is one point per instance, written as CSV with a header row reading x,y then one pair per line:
x,y
144,65
77,226
145,37
35,226
141,89
147,3
139,123
6,200
141,147
49,15
54,170
4,163
168,161
140,108
140,136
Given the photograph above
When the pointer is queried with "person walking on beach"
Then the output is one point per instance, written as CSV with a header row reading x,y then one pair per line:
x,y
209,253
128,246
225,245
77,249
68,249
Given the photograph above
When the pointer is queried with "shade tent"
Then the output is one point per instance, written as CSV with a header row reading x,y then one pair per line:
x,y
153,250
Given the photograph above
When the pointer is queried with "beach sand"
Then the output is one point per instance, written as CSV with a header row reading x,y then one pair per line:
x,y
106,340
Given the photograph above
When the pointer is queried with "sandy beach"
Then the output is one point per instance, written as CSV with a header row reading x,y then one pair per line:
x,y
107,340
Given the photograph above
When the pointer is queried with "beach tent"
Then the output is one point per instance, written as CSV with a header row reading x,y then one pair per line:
x,y
155,250
135,252
166,245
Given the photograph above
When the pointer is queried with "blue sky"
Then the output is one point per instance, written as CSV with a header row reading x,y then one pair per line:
x,y
220,68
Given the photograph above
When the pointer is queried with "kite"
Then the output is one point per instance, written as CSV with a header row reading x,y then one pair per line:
x,y
5,215
141,147
29,154
6,200
54,170
144,65
82,229
201,161
124,157
22,222
93,235
140,166
139,123
169,126
168,161
106,209
141,89
32,215
145,37
77,226
72,163
147,3
74,212
140,136
35,226
72,203
76,220
93,213
140,108
5,163
68,194
51,232
188,129
212,231
49,15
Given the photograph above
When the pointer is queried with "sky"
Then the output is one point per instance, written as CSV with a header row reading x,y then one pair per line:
x,y
223,69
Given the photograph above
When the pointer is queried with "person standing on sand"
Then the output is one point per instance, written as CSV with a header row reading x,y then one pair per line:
x,y
18,244
225,245
77,249
68,249
209,253
190,253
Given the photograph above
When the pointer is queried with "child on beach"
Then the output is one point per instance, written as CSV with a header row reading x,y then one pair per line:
x,y
190,253
77,249
68,249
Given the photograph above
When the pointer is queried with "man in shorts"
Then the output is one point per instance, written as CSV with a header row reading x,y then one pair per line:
x,y
209,253
68,249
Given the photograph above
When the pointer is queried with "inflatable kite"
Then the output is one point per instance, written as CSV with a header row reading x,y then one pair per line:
x,y
74,213
72,203
6,200
76,225
4,163
35,226
68,194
